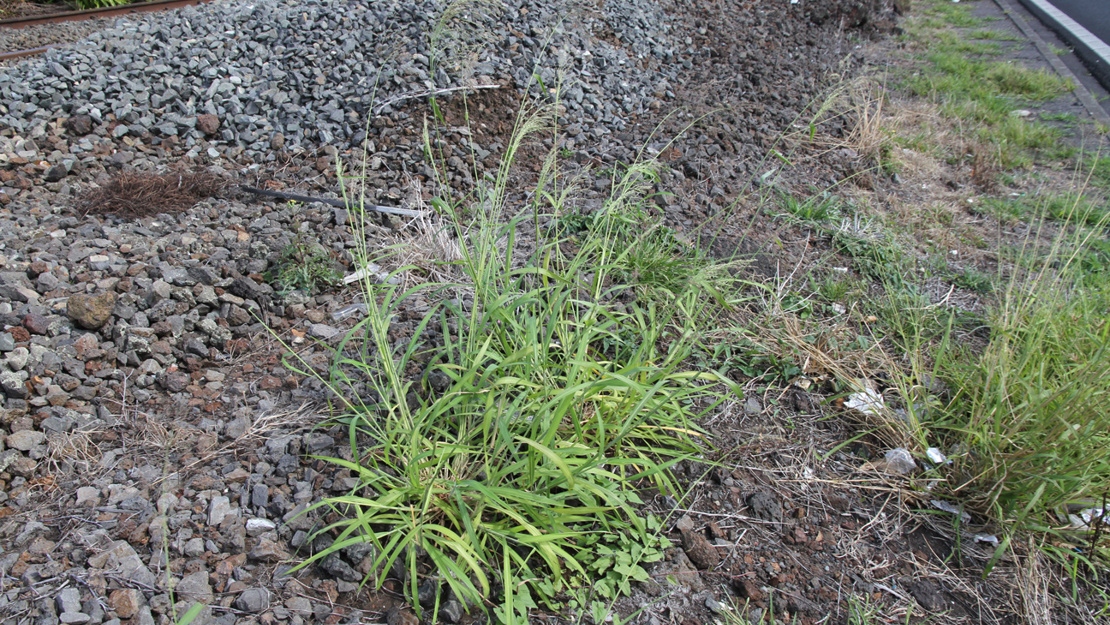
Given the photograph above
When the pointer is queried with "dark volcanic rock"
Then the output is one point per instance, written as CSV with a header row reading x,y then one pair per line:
x,y
55,173
765,506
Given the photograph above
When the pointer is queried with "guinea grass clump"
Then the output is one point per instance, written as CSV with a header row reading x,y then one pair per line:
x,y
1024,418
504,468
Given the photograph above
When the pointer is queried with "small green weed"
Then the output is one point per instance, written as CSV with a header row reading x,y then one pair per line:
x,y
1068,119
818,209
943,14
836,287
613,560
876,255
861,611
996,86
303,264
736,354
974,280
971,44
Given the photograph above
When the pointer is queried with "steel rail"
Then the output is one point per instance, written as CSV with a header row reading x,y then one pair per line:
x,y
76,16
5,56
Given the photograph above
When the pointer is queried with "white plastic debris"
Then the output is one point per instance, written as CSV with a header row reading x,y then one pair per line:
x,y
944,506
839,308
374,273
349,311
362,273
936,455
900,461
1085,518
869,402
990,539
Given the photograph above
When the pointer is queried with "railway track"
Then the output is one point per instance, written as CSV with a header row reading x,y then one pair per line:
x,y
76,16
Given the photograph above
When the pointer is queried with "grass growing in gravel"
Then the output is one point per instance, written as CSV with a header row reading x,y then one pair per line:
x,y
500,450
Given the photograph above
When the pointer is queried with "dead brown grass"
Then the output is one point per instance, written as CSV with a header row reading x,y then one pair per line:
x,y
139,194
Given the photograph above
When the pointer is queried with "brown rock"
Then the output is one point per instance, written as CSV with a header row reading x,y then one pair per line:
x,y
36,323
208,124
747,589
37,267
91,311
79,124
87,347
268,551
401,616
125,602
229,564
175,381
700,551
795,536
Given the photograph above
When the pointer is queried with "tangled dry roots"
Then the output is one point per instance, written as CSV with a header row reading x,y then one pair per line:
x,y
137,194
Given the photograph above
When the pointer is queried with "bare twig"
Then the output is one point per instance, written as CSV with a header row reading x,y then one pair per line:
x,y
428,93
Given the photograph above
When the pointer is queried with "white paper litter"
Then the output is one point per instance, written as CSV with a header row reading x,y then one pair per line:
x,y
869,402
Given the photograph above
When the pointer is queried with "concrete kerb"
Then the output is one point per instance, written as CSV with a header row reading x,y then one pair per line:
x,y
1094,52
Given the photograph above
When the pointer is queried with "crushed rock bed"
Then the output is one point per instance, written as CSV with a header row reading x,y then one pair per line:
x,y
152,439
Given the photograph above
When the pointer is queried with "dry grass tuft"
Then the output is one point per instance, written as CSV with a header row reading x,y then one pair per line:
x,y
138,194
427,248
76,446
852,116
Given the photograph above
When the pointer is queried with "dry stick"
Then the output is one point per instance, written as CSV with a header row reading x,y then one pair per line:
x,y
429,92
340,203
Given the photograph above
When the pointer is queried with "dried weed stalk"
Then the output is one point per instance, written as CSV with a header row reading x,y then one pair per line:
x,y
427,248
76,446
139,194
851,117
